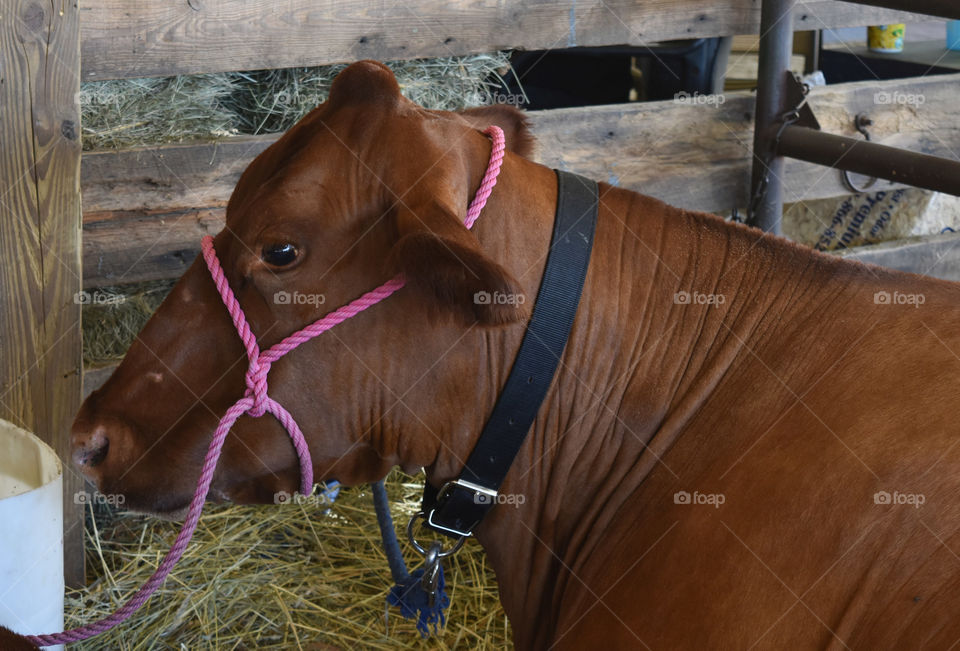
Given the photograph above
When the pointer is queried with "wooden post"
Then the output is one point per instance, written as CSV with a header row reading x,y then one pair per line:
x,y
40,339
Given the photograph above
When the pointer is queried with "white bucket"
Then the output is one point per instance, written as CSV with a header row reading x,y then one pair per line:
x,y
31,533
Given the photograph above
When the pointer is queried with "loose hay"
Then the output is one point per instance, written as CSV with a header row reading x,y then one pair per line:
x,y
276,577
135,112
112,317
139,112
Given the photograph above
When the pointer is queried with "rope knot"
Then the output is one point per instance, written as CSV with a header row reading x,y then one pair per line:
x,y
257,387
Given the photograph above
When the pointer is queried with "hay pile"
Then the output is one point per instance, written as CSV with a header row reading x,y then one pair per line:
x,y
138,112
276,577
135,112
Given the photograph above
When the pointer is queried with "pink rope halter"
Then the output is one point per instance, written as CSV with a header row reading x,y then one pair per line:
x,y
256,402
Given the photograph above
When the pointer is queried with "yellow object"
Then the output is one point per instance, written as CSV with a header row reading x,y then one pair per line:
x,y
885,38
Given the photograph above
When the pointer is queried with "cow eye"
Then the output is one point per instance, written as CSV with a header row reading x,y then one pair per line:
x,y
279,255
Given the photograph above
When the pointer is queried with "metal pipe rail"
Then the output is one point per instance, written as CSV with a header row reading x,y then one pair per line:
x,y
871,159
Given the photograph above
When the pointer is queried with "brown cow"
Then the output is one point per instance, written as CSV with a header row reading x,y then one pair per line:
x,y
748,444
10,641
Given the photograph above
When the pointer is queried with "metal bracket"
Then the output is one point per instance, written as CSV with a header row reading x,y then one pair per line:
x,y
796,96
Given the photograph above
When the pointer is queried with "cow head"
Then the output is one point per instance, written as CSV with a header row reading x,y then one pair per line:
x,y
366,186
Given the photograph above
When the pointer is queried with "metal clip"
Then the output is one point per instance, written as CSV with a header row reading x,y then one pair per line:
x,y
431,558
441,553
431,572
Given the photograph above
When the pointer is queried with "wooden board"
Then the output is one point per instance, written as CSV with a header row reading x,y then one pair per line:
x,y
931,255
93,378
929,53
140,39
146,210
133,247
745,66
167,177
40,348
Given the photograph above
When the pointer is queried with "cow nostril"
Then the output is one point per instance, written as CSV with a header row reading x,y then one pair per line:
x,y
92,452
97,456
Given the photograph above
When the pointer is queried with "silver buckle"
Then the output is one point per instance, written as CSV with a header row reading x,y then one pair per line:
x,y
481,495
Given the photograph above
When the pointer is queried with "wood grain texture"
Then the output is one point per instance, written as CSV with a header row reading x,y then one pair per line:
x,y
93,378
40,347
931,255
139,39
133,247
146,210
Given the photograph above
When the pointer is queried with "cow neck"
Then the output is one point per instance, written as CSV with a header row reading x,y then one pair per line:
x,y
256,402
461,504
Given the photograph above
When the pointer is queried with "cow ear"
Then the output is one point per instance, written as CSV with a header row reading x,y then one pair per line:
x,y
443,261
513,122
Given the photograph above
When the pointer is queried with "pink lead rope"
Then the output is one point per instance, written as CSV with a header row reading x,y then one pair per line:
x,y
255,402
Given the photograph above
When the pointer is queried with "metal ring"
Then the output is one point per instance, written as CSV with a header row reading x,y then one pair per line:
x,y
860,123
420,548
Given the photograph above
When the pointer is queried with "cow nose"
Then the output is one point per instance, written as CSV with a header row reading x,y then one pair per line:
x,y
90,447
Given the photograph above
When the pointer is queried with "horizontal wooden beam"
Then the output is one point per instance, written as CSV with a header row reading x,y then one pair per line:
x,y
167,177
140,39
932,255
146,210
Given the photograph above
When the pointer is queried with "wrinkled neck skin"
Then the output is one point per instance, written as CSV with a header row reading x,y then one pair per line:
x,y
636,367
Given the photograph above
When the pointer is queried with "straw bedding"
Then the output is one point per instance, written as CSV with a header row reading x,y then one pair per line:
x,y
288,576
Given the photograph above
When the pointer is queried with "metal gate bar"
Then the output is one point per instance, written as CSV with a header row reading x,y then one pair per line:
x,y
872,159
773,139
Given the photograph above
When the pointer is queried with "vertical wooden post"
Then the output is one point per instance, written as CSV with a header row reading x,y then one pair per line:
x,y
40,221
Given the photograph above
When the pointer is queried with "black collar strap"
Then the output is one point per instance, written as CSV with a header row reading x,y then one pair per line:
x,y
461,504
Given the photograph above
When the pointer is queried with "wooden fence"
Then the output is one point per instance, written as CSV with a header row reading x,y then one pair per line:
x,y
145,210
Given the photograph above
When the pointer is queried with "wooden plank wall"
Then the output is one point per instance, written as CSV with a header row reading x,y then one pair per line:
x,y
146,210
40,348
140,39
